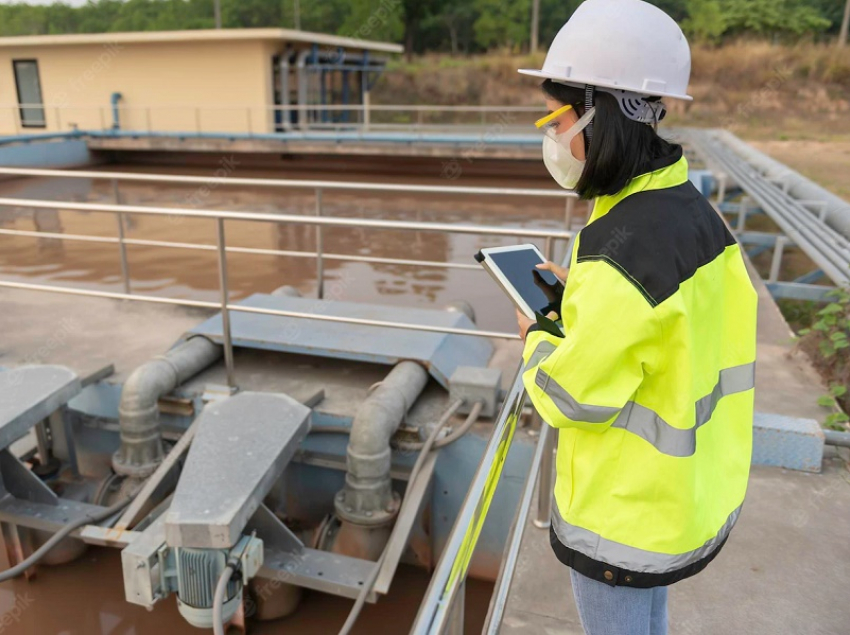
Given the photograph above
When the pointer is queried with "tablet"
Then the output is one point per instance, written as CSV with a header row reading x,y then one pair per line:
x,y
532,291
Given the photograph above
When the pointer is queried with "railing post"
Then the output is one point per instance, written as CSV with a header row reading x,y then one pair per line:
x,y
320,261
225,313
122,246
568,212
367,113
547,463
546,484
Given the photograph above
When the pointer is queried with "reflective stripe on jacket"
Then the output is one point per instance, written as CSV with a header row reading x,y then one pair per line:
x,y
651,388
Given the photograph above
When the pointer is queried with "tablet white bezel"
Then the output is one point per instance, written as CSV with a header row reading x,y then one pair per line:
x,y
502,280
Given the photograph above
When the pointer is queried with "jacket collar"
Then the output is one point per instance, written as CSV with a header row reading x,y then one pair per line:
x,y
666,171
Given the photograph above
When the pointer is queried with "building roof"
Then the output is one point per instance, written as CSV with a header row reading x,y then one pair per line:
x,y
199,35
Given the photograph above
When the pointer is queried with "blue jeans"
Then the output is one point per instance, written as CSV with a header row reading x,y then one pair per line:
x,y
607,610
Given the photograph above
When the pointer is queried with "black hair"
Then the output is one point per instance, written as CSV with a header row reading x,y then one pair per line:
x,y
619,149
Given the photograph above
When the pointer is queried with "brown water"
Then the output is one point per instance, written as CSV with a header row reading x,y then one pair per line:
x,y
185,273
87,597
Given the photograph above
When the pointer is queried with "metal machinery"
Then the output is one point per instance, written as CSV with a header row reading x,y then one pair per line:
x,y
298,481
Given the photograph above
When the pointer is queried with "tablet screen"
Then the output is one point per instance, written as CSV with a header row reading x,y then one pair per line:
x,y
540,289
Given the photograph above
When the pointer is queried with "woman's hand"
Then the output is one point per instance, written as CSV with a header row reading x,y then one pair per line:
x,y
560,272
526,322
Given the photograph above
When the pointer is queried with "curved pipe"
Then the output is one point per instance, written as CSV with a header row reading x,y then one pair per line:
x,y
367,497
141,441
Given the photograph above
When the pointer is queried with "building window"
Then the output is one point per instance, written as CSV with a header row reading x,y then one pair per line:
x,y
29,93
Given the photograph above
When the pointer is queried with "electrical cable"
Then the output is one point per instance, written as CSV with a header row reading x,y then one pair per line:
x,y
86,519
429,444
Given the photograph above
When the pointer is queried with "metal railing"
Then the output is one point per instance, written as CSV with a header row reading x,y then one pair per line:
x,y
442,608
262,119
220,216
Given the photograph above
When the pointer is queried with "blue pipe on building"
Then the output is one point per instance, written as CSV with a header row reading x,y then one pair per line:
x,y
116,121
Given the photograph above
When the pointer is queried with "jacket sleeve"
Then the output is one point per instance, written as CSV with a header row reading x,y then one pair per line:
x,y
612,336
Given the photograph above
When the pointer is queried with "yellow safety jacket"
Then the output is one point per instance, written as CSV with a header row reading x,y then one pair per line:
x,y
651,388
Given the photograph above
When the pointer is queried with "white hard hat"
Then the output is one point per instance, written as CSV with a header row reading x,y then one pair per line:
x,y
623,45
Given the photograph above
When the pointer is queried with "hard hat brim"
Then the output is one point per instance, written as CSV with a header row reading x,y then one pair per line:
x,y
579,83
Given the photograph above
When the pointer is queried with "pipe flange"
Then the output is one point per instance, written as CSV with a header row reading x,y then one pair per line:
x,y
133,471
370,517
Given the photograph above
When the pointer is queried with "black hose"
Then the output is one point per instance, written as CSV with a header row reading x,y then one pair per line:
x,y
86,519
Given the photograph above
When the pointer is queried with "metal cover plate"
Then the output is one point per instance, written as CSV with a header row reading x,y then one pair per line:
x,y
440,353
29,394
240,449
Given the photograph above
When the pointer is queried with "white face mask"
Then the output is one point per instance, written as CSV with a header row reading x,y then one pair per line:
x,y
558,157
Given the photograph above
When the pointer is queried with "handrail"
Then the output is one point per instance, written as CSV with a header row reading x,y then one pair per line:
x,y
333,221
293,183
225,306
435,612
295,107
260,116
204,304
499,599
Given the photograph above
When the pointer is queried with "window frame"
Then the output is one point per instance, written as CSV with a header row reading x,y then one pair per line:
x,y
21,107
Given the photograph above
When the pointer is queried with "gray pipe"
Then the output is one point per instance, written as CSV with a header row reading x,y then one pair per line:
x,y
141,441
835,437
367,497
836,210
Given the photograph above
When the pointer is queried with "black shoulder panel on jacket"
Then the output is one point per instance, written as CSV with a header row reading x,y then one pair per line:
x,y
657,239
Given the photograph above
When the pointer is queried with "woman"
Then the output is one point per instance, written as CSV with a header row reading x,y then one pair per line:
x,y
651,387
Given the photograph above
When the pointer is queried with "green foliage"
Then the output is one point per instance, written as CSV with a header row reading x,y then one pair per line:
x,y
457,26
502,23
706,21
368,20
830,331
711,20
772,17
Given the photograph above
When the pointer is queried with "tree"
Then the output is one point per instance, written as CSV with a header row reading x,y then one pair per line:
x,y
502,23
369,20
706,21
